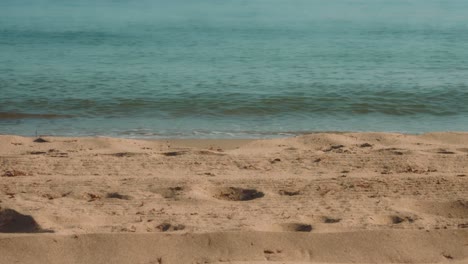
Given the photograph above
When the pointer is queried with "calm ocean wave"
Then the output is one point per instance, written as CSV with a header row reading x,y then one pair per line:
x,y
233,68
218,105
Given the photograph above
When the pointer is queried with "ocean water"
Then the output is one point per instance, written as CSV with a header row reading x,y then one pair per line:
x,y
232,68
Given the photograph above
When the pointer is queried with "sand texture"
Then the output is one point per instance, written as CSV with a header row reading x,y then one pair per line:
x,y
318,198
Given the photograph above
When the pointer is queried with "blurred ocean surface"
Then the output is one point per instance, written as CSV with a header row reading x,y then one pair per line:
x,y
232,68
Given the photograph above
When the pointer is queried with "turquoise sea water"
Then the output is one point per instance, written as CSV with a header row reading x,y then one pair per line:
x,y
232,68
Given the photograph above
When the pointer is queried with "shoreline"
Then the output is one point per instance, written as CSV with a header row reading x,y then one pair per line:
x,y
225,135
390,197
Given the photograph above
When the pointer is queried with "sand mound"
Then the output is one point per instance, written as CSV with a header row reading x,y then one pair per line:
x,y
450,209
13,222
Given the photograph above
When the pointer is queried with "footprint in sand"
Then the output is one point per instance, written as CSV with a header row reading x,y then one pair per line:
x,y
116,195
286,227
170,192
167,227
390,219
237,194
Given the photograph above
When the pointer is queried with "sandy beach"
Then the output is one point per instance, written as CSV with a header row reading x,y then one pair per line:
x,y
318,198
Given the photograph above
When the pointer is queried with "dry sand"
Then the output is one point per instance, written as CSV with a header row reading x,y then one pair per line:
x,y
319,198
